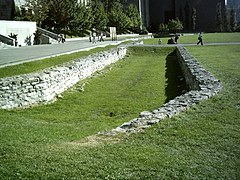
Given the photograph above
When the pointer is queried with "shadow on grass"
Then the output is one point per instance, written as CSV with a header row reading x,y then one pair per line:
x,y
175,82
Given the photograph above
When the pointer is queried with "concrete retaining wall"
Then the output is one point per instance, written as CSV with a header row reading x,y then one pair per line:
x,y
23,29
43,86
202,86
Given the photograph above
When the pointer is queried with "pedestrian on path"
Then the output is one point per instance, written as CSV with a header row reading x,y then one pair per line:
x,y
101,37
94,37
200,39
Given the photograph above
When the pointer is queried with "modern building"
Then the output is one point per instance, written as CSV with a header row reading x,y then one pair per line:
x,y
155,12
6,9
161,11
143,6
235,4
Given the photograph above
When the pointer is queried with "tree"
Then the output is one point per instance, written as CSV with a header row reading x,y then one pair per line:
x,y
100,18
133,14
18,14
118,18
81,19
194,18
232,19
219,25
226,25
36,10
187,15
163,28
175,25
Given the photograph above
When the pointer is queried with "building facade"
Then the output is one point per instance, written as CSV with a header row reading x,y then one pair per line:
x,y
235,4
155,12
161,11
7,9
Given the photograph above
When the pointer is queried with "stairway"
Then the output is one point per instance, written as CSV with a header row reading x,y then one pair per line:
x,y
6,42
47,37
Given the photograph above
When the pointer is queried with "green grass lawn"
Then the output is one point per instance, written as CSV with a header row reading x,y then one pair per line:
x,y
128,87
46,142
207,38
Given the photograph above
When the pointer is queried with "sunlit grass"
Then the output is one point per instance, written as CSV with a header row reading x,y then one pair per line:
x,y
203,143
30,138
193,38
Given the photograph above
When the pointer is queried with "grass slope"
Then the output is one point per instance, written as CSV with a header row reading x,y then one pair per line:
x,y
29,138
202,143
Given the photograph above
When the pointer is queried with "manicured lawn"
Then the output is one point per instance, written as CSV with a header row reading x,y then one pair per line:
x,y
27,136
203,143
207,38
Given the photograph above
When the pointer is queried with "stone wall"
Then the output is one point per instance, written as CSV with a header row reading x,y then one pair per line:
x,y
43,86
202,86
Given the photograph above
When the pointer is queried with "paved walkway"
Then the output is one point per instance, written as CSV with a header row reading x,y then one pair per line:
x,y
13,56
205,44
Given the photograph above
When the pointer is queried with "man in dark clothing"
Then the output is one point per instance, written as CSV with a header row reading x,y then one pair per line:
x,y
200,39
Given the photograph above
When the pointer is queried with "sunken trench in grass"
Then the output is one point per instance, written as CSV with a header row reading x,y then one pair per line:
x,y
143,81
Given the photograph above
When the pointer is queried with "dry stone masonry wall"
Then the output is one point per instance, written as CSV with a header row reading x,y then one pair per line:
x,y
41,87
202,86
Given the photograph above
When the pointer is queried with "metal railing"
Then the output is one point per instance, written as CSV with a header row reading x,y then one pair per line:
x,y
7,40
48,33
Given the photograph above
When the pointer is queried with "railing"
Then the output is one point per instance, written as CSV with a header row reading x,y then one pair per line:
x,y
7,40
48,33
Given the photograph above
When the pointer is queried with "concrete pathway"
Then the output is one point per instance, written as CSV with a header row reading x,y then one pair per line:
x,y
14,56
205,44
212,44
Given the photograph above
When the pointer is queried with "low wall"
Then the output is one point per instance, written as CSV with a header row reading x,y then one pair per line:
x,y
202,86
43,86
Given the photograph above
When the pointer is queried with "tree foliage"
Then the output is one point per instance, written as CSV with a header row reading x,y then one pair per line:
x,y
232,19
72,17
163,28
226,25
81,19
36,10
100,18
133,14
194,18
175,25
219,25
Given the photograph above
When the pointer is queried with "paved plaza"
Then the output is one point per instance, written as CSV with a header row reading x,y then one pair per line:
x,y
13,56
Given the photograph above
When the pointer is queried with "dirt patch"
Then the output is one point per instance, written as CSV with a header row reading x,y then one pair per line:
x,y
93,141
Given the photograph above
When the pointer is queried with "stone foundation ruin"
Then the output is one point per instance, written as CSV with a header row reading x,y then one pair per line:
x,y
202,86
41,87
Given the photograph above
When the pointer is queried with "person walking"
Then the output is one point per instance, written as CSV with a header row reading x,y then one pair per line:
x,y
94,37
200,39
101,37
